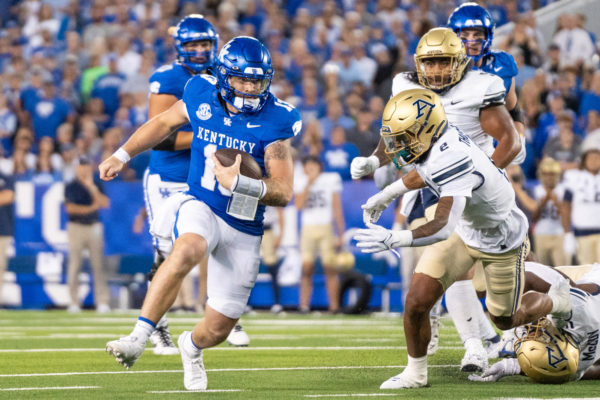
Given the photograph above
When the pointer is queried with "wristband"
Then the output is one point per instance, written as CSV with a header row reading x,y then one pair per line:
x,y
245,195
122,155
396,189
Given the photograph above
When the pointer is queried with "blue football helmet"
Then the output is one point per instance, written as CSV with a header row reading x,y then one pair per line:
x,y
195,28
247,58
472,15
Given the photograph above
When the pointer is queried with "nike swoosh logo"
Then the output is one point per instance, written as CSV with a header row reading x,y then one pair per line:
x,y
497,69
453,102
249,125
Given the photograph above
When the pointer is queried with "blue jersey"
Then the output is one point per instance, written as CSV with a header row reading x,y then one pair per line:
x,y
501,64
172,166
214,128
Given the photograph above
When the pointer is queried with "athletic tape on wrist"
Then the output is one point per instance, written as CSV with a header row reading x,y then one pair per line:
x,y
122,155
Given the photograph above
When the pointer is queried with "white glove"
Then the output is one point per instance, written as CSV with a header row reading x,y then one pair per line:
x,y
569,243
506,367
362,166
377,238
375,205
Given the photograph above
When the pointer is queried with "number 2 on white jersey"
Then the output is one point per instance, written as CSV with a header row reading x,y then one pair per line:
x,y
208,179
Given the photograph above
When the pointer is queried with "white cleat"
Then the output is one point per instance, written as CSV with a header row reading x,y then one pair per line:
x,y
194,374
435,335
560,294
126,350
404,380
162,342
475,358
238,337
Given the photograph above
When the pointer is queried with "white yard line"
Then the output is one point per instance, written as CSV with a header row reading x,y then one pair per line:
x,y
51,388
273,348
225,370
194,391
350,395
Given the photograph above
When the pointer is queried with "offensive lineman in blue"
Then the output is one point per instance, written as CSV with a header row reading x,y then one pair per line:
x,y
474,25
221,214
196,44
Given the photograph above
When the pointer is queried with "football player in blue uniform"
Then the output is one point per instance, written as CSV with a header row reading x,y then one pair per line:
x,y
474,25
196,44
221,215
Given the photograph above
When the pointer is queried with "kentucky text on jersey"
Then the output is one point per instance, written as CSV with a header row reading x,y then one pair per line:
x,y
223,140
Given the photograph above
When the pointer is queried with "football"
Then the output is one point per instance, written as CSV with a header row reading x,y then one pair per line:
x,y
249,166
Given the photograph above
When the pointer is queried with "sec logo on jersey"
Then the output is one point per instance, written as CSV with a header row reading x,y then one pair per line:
x,y
204,112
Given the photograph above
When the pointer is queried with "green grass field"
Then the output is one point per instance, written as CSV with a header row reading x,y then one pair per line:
x,y
52,354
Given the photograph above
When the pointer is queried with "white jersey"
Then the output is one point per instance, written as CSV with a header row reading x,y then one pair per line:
x,y
583,191
318,209
584,324
463,101
491,221
549,222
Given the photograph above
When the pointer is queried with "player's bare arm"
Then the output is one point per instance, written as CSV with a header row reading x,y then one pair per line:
x,y
379,152
496,122
442,214
280,174
162,102
146,137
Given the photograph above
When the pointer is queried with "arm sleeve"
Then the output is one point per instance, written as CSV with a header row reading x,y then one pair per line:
x,y
494,93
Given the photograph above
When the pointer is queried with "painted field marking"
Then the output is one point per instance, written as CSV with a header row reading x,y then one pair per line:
x,y
51,388
194,391
281,348
351,395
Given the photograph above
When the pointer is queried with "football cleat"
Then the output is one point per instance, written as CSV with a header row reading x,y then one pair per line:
x,y
194,374
404,380
475,358
162,341
435,335
237,337
126,350
561,298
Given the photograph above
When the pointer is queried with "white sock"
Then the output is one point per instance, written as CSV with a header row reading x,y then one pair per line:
x,y
142,330
190,346
417,366
162,321
436,310
486,330
462,304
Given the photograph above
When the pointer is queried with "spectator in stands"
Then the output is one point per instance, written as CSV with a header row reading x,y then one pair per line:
x,y
523,38
526,72
68,155
335,116
107,87
95,111
318,198
566,146
548,231
364,135
274,225
575,44
338,154
128,61
311,106
83,199
50,111
547,125
8,124
581,207
48,164
22,163
7,222
552,65
88,140
524,196
312,140
566,84
590,99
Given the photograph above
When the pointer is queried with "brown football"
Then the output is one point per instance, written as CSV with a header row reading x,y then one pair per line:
x,y
249,166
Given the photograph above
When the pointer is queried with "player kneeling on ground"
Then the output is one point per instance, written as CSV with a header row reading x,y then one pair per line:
x,y
476,219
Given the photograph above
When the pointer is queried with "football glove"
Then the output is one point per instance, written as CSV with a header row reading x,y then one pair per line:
x,y
362,166
506,367
377,238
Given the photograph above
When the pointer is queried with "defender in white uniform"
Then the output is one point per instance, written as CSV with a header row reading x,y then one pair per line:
x,y
477,219
474,102
581,327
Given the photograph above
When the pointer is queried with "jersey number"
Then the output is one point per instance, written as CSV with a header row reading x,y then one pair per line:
x,y
208,179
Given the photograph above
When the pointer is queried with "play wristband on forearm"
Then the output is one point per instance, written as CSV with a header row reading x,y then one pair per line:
x,y
246,192
122,155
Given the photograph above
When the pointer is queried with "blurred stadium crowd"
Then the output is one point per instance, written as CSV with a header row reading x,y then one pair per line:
x,y
74,75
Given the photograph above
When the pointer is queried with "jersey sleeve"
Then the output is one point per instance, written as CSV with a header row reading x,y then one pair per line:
x,y
189,98
508,65
494,93
451,172
285,120
162,82
400,83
